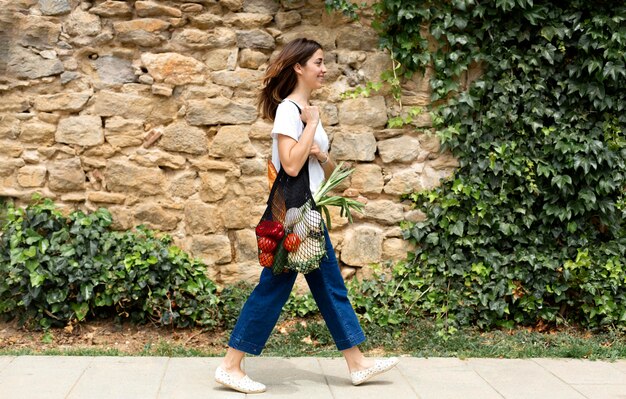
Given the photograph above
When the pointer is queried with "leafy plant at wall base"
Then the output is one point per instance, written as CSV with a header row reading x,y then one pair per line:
x,y
56,270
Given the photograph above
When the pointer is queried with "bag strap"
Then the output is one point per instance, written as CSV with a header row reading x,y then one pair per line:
x,y
297,106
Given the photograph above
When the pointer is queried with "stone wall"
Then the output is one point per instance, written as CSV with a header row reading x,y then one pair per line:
x,y
148,109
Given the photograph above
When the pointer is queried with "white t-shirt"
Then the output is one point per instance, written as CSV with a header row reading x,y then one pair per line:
x,y
287,121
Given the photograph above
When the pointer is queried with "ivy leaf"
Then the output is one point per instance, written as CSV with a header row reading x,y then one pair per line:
x,y
457,228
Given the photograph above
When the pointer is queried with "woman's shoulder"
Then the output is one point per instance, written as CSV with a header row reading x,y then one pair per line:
x,y
287,109
289,105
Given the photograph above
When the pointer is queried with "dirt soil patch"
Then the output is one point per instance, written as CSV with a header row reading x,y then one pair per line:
x,y
107,335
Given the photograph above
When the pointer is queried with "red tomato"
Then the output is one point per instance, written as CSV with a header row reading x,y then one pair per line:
x,y
266,260
292,242
266,244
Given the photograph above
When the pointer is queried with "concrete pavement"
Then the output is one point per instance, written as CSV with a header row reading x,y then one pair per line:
x,y
86,377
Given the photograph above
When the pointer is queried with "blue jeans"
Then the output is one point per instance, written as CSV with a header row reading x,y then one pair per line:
x,y
262,309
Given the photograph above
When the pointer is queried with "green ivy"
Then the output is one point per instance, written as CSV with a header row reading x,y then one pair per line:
x,y
56,270
531,226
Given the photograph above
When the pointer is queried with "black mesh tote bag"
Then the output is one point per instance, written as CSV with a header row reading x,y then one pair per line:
x,y
290,235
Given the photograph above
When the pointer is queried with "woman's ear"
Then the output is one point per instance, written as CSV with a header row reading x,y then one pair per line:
x,y
298,68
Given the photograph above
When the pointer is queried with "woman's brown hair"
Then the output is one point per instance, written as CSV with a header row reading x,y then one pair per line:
x,y
280,78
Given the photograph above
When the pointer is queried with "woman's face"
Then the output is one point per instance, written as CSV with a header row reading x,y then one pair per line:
x,y
313,71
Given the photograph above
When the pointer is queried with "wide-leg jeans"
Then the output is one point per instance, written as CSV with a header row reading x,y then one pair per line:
x,y
262,309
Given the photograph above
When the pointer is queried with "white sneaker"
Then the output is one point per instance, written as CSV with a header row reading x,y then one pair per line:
x,y
382,365
245,384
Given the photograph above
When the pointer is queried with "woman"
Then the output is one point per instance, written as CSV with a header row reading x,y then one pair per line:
x,y
299,140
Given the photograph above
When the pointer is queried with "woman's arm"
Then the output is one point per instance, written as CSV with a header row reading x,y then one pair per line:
x,y
328,166
293,154
324,159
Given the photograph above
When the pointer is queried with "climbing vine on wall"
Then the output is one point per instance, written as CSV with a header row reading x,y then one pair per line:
x,y
530,229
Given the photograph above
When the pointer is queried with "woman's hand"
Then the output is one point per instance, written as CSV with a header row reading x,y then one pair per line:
x,y
310,115
317,153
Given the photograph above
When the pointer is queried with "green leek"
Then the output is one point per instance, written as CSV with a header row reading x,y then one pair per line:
x,y
346,205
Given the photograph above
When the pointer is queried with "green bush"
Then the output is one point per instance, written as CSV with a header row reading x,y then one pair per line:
x,y
56,270
531,226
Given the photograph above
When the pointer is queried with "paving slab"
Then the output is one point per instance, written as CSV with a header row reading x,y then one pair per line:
x,y
5,361
579,371
391,384
73,377
45,377
192,378
619,365
602,391
121,378
290,377
443,378
523,379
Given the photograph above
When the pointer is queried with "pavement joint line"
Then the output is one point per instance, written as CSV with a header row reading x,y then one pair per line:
x,y
332,394
486,381
407,381
92,359
559,378
6,366
167,365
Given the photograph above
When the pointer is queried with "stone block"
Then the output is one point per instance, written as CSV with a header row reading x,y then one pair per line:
x,y
154,157
399,149
213,249
32,176
384,211
354,146
34,31
184,184
124,177
362,246
370,111
114,70
367,179
123,132
244,20
126,105
255,39
285,20
239,213
325,37
105,197
213,186
251,59
156,217
23,63
217,60
54,7
357,37
261,6
82,23
84,130
216,111
37,133
232,142
71,102
206,21
245,79
173,68
181,137
153,9
66,175
405,181
201,218
232,5
254,187
246,248
112,9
